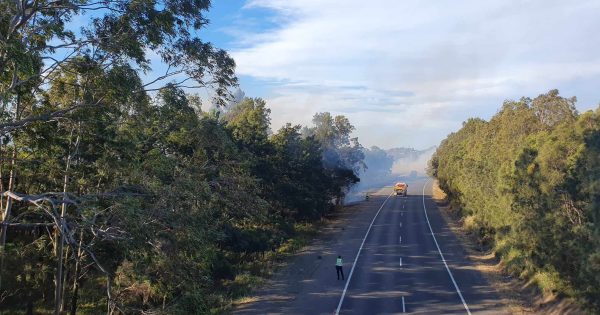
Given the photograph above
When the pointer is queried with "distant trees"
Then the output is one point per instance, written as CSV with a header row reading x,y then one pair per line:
x,y
528,179
379,163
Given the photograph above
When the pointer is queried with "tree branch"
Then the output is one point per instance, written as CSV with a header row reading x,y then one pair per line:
x,y
10,126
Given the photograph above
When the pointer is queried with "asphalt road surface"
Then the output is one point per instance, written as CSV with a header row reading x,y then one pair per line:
x,y
392,262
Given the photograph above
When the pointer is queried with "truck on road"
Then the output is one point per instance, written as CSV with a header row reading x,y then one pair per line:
x,y
400,189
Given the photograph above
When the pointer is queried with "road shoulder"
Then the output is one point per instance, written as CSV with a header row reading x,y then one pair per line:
x,y
293,286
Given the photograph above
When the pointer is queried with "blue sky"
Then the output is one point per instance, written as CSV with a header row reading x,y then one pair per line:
x,y
408,72
230,22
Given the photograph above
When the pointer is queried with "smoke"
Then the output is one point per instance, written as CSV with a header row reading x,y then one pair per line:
x,y
376,174
417,162
384,167
237,96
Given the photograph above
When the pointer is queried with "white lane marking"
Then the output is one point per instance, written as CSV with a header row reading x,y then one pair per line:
x,y
403,307
442,255
400,224
400,261
337,311
400,240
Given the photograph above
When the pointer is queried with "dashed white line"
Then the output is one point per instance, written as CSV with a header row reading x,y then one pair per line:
x,y
442,255
400,261
400,240
400,224
337,311
403,307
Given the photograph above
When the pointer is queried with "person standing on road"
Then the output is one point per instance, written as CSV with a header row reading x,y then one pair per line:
x,y
338,267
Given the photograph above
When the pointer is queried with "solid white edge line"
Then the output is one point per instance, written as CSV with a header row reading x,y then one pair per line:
x,y
442,255
337,311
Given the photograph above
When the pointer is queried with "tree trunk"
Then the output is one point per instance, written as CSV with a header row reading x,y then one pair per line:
x,y
75,292
63,305
29,310
1,176
60,253
58,296
59,268
7,209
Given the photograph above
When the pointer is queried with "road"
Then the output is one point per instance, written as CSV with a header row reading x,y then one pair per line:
x,y
399,268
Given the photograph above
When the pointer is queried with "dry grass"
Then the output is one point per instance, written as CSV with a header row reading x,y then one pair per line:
x,y
246,300
438,193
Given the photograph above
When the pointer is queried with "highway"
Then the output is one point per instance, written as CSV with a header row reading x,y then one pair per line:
x,y
397,266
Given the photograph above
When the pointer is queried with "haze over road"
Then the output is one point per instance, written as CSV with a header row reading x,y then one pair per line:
x,y
399,269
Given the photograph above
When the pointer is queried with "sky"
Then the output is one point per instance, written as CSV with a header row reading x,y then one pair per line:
x,y
408,72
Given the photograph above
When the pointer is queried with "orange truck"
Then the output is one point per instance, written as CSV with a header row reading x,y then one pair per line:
x,y
400,189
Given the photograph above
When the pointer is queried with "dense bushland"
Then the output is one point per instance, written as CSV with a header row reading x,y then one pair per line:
x,y
119,194
164,205
528,182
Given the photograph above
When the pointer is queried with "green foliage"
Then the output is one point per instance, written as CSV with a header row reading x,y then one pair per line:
x,y
159,206
530,179
172,203
343,156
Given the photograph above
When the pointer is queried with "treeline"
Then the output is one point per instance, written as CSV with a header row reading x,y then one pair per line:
x,y
528,183
164,204
119,195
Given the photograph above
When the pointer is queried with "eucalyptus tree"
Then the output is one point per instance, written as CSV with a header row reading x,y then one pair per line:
x,y
41,38
343,155
71,70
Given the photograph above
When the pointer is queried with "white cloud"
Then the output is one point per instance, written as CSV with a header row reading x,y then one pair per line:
x,y
417,66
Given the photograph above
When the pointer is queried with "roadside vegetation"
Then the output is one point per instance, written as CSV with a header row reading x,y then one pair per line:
x,y
122,192
527,183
